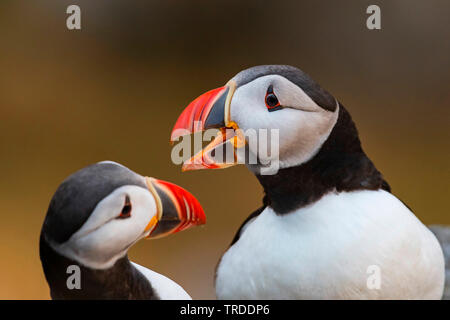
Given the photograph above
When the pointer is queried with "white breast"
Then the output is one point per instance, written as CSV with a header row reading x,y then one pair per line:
x,y
325,251
164,287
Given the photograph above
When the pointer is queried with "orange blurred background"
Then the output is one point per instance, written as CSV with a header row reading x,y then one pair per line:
x,y
113,91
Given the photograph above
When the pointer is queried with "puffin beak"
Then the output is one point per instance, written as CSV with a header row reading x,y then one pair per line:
x,y
211,110
177,209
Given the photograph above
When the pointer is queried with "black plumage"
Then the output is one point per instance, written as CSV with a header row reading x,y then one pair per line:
x,y
340,165
122,281
66,216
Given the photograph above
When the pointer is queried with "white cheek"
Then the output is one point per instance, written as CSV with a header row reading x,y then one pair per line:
x,y
301,132
248,108
100,245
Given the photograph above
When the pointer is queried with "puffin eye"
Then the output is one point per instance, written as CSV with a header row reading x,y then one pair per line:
x,y
126,210
272,102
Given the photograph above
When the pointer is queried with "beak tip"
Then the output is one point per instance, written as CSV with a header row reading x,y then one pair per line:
x,y
172,139
185,208
191,167
174,135
201,218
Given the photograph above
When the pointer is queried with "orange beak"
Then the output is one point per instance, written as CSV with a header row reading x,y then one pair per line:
x,y
211,110
177,209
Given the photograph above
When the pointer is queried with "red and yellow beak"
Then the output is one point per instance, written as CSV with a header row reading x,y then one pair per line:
x,y
210,110
177,209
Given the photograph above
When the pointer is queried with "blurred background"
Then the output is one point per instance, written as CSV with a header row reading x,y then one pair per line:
x,y
113,91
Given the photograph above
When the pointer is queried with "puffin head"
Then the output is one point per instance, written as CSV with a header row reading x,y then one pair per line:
x,y
99,212
262,99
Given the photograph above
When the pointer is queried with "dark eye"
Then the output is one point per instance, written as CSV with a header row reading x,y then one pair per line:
x,y
272,102
126,209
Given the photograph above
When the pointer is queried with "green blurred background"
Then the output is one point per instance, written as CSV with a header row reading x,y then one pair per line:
x,y
114,90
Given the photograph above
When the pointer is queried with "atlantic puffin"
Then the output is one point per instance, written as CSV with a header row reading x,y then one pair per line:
x,y
329,226
95,216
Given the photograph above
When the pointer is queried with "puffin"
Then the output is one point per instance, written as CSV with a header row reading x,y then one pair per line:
x,y
95,216
329,226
